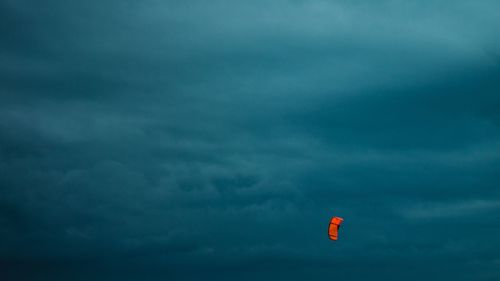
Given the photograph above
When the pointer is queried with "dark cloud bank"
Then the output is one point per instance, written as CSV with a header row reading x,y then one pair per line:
x,y
213,140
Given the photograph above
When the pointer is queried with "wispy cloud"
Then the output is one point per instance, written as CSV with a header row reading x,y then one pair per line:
x,y
450,209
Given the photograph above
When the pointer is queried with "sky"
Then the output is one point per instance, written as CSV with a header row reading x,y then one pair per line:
x,y
214,140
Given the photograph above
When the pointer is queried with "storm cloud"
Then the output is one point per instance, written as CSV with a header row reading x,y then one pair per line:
x,y
213,140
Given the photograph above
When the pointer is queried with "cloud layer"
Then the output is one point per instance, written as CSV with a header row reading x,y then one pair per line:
x,y
187,140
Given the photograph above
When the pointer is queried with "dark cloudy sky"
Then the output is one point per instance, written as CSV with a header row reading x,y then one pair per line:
x,y
213,140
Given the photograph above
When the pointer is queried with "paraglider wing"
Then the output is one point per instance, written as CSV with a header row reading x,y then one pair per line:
x,y
333,228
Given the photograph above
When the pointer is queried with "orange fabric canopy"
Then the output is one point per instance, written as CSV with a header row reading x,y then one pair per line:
x,y
333,228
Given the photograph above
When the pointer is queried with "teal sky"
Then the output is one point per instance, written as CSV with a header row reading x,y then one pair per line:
x,y
214,140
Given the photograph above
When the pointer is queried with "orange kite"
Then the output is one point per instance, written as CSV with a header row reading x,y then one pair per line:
x,y
333,228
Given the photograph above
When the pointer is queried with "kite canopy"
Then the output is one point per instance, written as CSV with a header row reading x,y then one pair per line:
x,y
333,228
